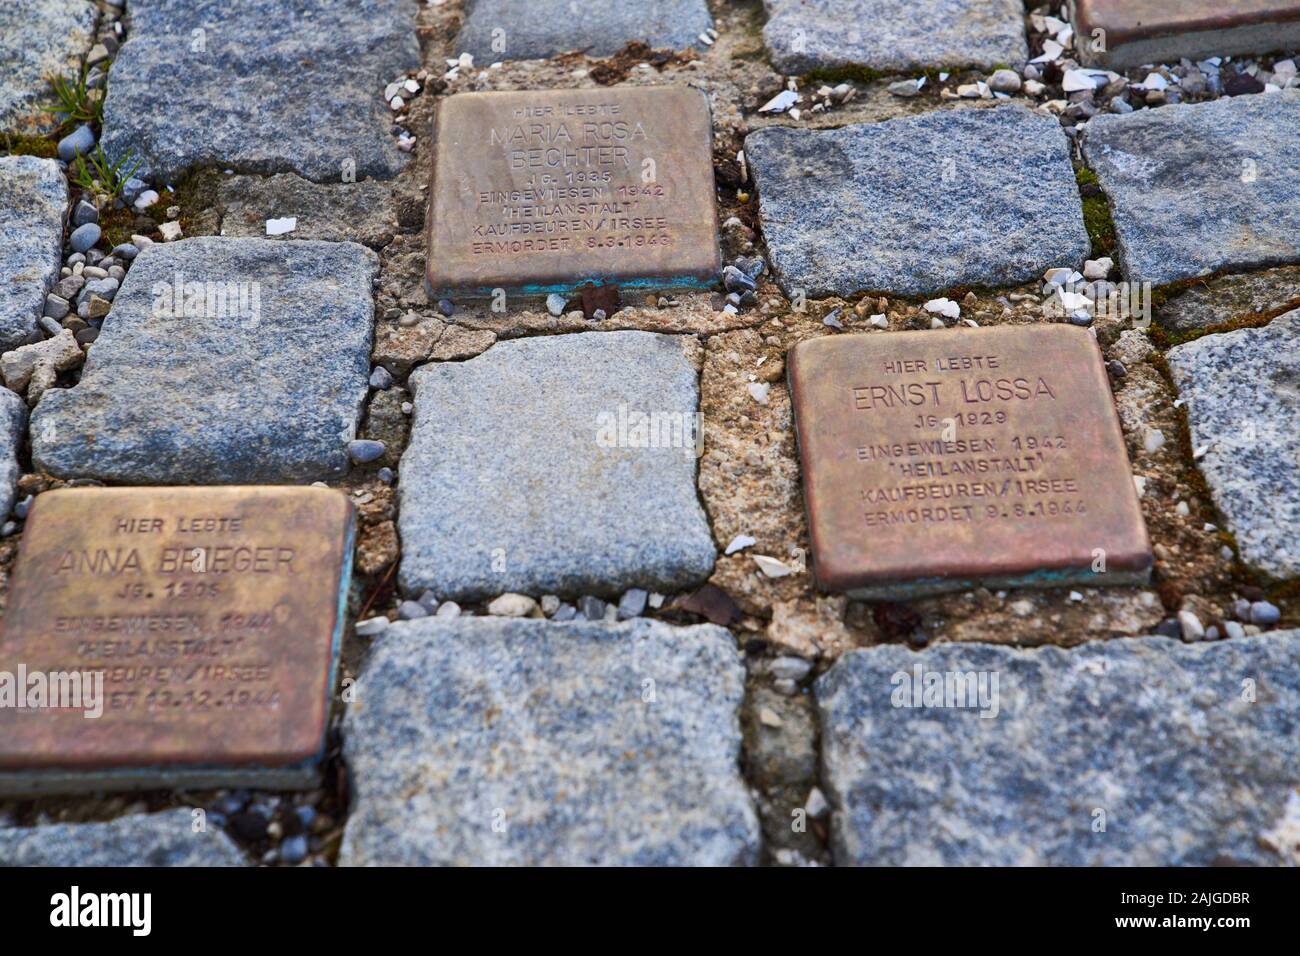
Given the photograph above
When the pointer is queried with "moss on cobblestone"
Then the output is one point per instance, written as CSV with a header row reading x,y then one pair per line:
x,y
1096,212
195,194
17,144
1166,339
841,74
118,225
1163,293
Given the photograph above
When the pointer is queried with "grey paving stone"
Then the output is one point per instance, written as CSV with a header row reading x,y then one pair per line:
x,y
157,839
1187,753
807,35
1196,188
335,212
918,205
1239,390
234,93
497,30
33,200
505,741
267,389
1231,297
39,39
516,478
13,422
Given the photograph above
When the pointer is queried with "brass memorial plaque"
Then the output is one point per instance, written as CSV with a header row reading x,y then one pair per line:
x,y
212,617
543,191
937,461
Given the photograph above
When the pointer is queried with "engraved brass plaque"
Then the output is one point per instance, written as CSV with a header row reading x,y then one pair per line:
x,y
937,461
1145,31
212,614
543,191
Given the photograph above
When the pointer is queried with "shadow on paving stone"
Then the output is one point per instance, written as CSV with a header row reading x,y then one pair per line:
x,y
158,839
919,205
256,371
1136,752
334,212
489,741
263,86
1231,298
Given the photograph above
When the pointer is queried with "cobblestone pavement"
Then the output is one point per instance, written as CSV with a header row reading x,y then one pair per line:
x,y
558,651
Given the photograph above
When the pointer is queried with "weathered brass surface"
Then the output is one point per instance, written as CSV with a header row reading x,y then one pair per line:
x,y
1127,20
542,191
1131,32
936,460
213,614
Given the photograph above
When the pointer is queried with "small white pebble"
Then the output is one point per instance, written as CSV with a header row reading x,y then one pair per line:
x,y
278,227
739,543
945,307
772,567
371,626
1192,628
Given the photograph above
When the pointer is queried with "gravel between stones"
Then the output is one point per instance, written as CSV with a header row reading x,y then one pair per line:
x,y
501,741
